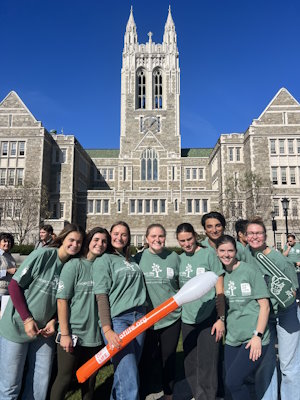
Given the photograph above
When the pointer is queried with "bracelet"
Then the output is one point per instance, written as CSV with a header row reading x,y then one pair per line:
x,y
107,331
29,319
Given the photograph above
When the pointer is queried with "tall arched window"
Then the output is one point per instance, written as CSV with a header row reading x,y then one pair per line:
x,y
149,165
141,88
157,89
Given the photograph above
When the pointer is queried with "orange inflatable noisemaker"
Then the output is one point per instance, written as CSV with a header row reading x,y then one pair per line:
x,y
192,290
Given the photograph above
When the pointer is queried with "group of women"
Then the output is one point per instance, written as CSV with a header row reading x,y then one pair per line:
x,y
80,277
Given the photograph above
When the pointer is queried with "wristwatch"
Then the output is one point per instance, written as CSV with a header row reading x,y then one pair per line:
x,y
222,318
259,334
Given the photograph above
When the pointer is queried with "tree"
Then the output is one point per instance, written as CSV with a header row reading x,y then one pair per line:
x,y
246,197
22,209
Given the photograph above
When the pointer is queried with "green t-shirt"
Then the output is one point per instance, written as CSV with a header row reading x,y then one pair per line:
x,y
284,265
121,280
192,265
161,273
294,253
243,287
38,276
76,285
240,255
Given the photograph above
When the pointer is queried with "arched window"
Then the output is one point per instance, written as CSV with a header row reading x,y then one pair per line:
x,y
157,89
149,165
141,88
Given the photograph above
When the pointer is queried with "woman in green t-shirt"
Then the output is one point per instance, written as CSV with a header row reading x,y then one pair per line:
x,y
160,267
247,336
202,320
121,294
78,316
28,323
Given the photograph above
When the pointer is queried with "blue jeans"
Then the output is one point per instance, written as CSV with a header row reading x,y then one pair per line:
x,y
286,326
39,354
126,376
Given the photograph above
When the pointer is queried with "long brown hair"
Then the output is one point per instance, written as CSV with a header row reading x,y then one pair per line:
x,y
89,237
126,249
58,241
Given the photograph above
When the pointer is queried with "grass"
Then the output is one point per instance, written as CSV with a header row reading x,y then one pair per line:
x,y
104,379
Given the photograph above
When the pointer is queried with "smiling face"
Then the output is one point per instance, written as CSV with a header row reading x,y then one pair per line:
x,y
213,229
256,236
156,240
119,237
5,245
226,253
97,245
187,242
44,235
71,245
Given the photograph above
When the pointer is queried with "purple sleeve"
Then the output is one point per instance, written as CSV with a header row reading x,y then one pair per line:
x,y
18,299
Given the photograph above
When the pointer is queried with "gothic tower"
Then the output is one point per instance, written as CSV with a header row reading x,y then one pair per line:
x,y
150,90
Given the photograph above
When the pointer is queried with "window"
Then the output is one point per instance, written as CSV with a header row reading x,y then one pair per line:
x,y
105,206
63,155
90,206
20,174
147,206
2,177
124,173
188,173
173,173
189,206
232,208
107,174
281,146
201,173
118,205
197,206
294,208
21,149
274,176
193,206
141,125
276,209
273,146
132,206
157,89
17,210
11,177
176,209
230,154
13,149
283,175
204,206
298,146
10,120
240,208
149,165
4,149
238,154
293,175
9,209
194,174
141,89
291,146
98,206
155,206
61,210
162,206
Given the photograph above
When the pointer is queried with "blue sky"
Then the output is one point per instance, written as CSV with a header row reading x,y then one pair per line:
x,y
63,58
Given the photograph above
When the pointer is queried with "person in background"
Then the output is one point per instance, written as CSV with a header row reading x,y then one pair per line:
x,y
160,267
292,252
283,321
247,335
7,263
202,320
46,232
77,315
240,229
28,323
121,294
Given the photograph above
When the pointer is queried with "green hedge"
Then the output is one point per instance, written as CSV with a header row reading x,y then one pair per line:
x,y
23,249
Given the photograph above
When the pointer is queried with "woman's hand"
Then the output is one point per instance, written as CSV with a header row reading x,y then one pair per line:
x,y
113,339
255,348
219,329
31,328
67,343
49,329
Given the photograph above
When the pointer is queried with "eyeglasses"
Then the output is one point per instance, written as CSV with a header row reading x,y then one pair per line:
x,y
255,234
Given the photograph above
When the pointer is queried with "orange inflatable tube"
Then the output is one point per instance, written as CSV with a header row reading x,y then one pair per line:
x,y
192,290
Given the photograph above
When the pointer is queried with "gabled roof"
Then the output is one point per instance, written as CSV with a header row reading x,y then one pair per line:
x,y
13,100
282,98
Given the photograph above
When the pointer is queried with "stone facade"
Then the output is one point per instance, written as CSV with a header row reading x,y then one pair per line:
x,y
151,178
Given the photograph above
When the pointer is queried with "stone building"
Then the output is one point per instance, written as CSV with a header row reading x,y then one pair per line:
x,y
151,178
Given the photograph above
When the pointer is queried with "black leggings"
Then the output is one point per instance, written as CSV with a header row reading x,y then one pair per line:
x,y
67,364
165,341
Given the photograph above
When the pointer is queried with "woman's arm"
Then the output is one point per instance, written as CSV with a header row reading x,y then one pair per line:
x,y
219,325
63,319
105,318
255,342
